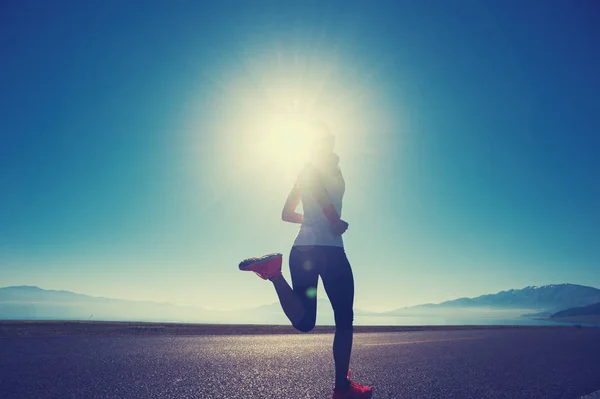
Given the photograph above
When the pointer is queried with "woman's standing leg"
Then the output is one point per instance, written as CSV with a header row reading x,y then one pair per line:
x,y
338,282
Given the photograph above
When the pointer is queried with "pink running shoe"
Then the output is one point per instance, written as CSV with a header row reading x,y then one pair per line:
x,y
354,391
266,267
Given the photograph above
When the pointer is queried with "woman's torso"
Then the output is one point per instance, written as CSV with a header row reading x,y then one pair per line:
x,y
315,228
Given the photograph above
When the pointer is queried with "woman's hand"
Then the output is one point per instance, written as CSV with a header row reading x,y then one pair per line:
x,y
338,228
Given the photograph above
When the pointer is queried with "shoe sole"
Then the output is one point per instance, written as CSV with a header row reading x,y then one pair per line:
x,y
245,264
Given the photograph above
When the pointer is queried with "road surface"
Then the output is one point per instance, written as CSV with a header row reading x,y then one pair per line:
x,y
543,363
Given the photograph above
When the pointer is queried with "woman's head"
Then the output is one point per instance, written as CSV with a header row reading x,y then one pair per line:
x,y
322,148
323,141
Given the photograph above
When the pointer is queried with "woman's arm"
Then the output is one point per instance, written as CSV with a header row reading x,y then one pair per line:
x,y
289,213
338,226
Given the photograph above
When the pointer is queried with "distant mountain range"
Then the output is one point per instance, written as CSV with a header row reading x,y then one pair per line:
x,y
34,303
27,302
590,310
544,300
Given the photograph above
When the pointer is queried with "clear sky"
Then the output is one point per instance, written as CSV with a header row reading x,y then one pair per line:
x,y
146,147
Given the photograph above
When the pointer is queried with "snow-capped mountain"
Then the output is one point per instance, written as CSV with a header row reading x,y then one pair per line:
x,y
544,299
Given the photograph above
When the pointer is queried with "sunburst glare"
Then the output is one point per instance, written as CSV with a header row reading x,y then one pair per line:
x,y
267,101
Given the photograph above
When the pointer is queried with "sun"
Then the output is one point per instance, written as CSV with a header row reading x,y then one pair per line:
x,y
264,113
286,140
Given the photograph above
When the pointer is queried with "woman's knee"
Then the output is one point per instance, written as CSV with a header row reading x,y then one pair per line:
x,y
306,324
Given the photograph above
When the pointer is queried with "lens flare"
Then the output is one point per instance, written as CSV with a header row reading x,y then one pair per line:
x,y
307,265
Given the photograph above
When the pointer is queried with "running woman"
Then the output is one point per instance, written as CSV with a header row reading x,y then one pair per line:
x,y
317,251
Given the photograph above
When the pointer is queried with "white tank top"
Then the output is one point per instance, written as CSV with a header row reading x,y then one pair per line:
x,y
315,228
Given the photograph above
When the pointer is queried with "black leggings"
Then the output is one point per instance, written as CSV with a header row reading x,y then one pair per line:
x,y
307,263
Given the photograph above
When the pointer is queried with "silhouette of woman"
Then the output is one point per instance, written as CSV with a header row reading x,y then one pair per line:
x,y
318,250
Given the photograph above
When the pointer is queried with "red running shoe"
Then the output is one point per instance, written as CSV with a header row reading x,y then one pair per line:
x,y
267,266
354,391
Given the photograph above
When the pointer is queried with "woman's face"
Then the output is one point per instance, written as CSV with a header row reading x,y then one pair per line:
x,y
324,144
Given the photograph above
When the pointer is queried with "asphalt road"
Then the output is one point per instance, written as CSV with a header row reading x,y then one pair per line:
x,y
541,363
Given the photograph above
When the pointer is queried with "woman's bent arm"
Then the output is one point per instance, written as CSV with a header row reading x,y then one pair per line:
x,y
289,213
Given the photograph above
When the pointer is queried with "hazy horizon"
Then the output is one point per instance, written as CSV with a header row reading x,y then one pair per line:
x,y
145,151
323,301
35,303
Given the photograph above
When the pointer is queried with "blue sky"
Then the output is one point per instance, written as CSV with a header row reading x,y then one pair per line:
x,y
138,157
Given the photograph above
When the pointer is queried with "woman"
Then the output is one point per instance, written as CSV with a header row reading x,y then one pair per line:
x,y
317,251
